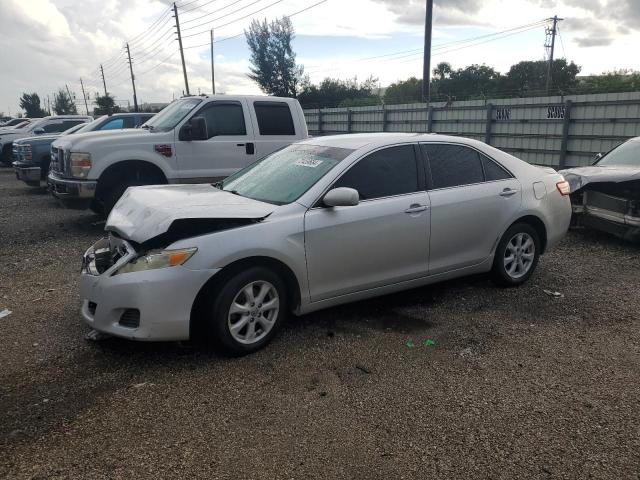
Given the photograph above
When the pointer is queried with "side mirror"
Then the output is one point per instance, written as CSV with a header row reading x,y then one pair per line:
x,y
599,156
194,129
341,197
39,131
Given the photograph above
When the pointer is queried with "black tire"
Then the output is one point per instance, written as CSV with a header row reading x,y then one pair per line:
x,y
217,311
6,155
112,196
499,273
114,191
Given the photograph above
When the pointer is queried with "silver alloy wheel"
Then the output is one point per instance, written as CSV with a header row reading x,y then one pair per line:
x,y
519,255
253,312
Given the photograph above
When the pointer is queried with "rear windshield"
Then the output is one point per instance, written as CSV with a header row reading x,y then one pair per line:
x,y
285,175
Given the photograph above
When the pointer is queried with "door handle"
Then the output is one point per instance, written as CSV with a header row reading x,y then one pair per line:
x,y
416,208
507,192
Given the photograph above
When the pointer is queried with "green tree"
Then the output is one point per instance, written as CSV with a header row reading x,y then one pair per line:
x,y
611,82
529,78
273,60
404,91
63,104
105,105
30,103
474,81
339,93
442,71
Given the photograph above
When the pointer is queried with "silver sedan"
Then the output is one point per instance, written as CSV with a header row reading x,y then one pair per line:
x,y
319,223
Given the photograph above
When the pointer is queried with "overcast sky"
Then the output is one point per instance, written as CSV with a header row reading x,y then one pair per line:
x,y
47,44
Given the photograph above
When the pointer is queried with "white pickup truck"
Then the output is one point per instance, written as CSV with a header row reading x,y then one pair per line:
x,y
193,140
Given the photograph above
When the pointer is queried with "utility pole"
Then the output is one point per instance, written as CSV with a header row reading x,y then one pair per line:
x,y
84,96
426,68
184,68
104,84
133,81
551,46
213,74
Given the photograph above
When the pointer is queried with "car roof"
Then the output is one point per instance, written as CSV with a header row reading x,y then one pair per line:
x,y
356,141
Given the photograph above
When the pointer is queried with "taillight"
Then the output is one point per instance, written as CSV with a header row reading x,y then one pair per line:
x,y
564,188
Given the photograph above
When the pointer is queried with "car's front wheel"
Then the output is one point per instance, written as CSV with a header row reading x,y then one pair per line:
x,y
516,256
247,311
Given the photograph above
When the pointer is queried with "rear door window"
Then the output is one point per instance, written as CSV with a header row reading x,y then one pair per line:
x,y
453,165
493,171
385,173
274,118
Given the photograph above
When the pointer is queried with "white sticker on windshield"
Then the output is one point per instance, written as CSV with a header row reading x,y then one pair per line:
x,y
308,162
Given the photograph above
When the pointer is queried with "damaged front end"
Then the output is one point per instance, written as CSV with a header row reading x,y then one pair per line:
x,y
610,207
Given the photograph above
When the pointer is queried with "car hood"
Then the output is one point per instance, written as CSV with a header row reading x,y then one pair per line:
x,y
87,139
38,138
582,176
144,213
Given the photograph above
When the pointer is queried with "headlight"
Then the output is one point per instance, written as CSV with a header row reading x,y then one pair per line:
x,y
26,152
158,259
80,164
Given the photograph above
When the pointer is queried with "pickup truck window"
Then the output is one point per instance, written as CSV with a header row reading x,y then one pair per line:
x,y
223,118
118,123
274,118
54,127
172,114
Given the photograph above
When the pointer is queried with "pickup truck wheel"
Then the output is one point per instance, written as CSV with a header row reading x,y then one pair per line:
x,y
5,155
112,194
246,312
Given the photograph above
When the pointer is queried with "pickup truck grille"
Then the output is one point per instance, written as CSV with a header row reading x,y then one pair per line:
x,y
58,164
15,150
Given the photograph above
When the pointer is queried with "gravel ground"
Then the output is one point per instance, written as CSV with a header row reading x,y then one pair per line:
x,y
518,384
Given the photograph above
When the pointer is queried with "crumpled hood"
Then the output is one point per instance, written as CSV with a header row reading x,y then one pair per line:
x,y
582,176
144,213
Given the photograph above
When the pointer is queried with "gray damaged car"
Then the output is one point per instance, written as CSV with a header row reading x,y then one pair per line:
x,y
606,195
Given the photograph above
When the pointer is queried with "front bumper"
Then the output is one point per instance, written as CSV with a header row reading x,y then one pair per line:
x,y
71,191
163,299
26,173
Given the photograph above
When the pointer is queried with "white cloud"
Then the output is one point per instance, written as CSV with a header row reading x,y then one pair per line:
x,y
46,44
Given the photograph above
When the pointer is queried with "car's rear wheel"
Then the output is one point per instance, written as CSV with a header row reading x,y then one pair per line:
x,y
246,312
516,256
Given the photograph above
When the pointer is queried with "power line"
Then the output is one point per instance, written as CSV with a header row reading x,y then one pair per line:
x,y
242,33
466,43
418,50
212,12
196,7
162,62
236,20
224,16
164,15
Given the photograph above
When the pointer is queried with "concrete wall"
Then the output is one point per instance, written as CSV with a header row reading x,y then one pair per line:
x,y
554,131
